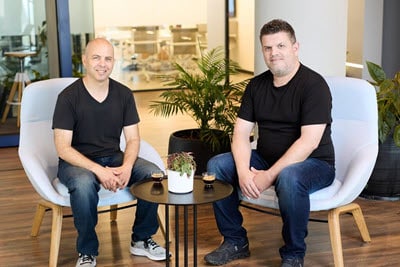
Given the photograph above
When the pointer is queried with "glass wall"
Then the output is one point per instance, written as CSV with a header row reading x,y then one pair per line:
x,y
23,48
150,36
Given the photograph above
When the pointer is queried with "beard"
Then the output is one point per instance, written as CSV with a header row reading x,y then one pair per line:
x,y
279,71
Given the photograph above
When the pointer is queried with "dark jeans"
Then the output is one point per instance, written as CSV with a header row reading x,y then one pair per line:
x,y
293,186
83,188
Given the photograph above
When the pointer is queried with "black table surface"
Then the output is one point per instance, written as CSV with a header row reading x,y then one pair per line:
x,y
158,192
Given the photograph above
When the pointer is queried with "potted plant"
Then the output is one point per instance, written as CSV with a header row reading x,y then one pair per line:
x,y
384,182
388,97
210,98
181,167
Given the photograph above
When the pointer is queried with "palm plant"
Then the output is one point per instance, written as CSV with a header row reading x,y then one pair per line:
x,y
207,95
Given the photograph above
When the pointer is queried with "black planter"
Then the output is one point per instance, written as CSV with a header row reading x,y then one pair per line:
x,y
188,141
384,183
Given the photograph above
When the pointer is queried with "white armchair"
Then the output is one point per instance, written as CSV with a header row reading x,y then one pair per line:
x,y
40,161
355,139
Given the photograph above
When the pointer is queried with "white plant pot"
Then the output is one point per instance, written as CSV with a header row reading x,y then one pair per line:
x,y
179,184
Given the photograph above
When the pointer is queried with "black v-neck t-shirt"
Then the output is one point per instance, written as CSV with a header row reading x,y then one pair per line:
x,y
281,111
96,126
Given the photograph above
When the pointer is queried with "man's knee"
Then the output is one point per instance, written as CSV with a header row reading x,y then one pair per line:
x,y
288,180
223,166
85,183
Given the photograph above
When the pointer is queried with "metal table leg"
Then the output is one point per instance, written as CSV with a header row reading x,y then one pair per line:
x,y
177,236
167,235
194,235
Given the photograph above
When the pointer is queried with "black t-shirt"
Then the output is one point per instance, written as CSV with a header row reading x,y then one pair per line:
x,y
96,126
281,111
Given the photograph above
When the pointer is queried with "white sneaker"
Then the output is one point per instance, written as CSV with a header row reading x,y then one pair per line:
x,y
86,261
148,248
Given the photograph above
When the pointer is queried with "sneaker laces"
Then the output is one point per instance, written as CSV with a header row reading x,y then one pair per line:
x,y
86,259
151,244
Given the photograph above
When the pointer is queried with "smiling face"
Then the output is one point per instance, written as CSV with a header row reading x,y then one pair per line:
x,y
98,59
280,53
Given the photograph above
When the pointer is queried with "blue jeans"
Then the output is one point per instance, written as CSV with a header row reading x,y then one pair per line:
x,y
293,186
83,187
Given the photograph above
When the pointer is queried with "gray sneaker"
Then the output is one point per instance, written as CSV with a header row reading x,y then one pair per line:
x,y
226,253
86,261
292,262
148,248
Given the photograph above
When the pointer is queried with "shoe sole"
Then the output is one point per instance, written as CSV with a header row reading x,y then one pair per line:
x,y
236,257
140,252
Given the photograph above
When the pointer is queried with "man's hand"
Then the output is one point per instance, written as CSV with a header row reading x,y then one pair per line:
x,y
248,186
107,178
262,178
123,173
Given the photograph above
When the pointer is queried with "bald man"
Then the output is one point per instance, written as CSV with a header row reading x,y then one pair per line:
x,y
89,117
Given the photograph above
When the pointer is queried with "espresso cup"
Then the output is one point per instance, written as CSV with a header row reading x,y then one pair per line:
x,y
157,176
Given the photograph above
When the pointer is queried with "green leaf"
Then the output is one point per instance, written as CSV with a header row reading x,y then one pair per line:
x,y
376,72
396,135
205,94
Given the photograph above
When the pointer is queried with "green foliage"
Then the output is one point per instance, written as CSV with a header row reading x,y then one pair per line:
x,y
388,97
205,95
182,162
77,65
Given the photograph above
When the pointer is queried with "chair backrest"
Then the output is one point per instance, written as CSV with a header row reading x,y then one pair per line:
x,y
36,148
354,134
355,140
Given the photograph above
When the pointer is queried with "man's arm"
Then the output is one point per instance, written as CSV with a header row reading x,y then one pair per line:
x,y
63,140
300,150
241,150
132,139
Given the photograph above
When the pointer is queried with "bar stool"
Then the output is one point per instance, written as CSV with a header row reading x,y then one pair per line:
x,y
20,81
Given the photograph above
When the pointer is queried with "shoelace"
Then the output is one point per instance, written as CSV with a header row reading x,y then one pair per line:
x,y
86,259
151,243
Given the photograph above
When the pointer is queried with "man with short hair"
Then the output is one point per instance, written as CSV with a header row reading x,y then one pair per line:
x,y
291,105
88,120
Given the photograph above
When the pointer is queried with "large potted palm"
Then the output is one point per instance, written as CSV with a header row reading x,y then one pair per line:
x,y
384,182
210,98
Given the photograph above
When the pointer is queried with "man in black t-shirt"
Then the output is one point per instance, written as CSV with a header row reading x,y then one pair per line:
x,y
291,105
88,120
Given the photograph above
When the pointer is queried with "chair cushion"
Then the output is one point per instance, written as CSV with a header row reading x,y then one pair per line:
x,y
106,197
269,199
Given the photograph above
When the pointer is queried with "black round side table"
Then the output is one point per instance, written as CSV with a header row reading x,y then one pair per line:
x,y
151,191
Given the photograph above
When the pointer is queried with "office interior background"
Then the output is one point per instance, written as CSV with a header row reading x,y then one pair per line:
x,y
331,33
336,37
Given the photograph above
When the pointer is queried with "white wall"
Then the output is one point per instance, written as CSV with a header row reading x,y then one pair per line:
x,y
242,48
215,23
355,33
373,25
149,12
321,29
81,13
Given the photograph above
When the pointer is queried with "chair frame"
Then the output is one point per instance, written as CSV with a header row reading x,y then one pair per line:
x,y
40,170
345,202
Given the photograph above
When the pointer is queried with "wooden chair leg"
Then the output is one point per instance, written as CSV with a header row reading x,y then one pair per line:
x,y
55,234
360,221
37,220
113,213
56,227
334,229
